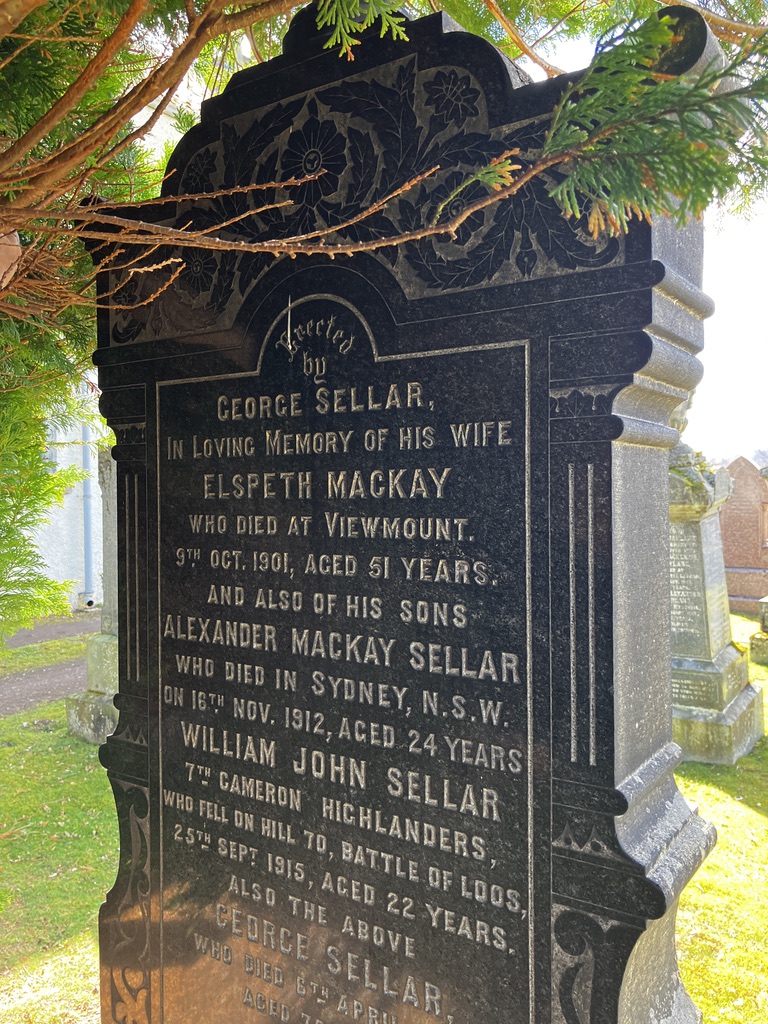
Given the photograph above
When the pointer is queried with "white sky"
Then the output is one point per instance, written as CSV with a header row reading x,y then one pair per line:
x,y
729,415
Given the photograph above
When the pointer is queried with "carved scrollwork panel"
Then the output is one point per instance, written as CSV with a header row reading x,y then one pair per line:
x,y
125,917
589,952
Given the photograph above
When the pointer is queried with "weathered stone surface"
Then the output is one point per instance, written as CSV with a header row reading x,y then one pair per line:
x,y
758,642
721,737
101,659
393,741
91,716
758,648
717,713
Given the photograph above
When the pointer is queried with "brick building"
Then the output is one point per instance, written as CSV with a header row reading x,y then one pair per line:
x,y
744,525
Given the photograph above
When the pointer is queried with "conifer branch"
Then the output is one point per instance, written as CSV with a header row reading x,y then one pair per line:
x,y
348,18
13,12
517,39
55,168
729,30
624,140
83,84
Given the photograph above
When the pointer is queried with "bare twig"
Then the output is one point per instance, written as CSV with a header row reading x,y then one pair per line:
x,y
178,268
518,40
79,88
556,25
33,39
251,37
134,232
13,12
50,171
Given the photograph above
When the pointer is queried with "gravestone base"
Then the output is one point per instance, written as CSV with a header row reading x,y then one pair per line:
x,y
758,648
720,737
701,683
758,642
92,715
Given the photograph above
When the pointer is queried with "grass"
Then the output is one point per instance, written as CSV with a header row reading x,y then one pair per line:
x,y
721,924
50,652
58,857
55,988
57,861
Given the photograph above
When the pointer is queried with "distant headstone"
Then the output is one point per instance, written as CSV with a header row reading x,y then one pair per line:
x,y
718,715
395,729
92,715
758,642
744,523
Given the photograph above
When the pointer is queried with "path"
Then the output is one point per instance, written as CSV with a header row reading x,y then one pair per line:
x,y
23,690
39,685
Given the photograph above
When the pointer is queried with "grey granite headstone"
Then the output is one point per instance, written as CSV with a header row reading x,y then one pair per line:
x,y
718,714
92,715
395,725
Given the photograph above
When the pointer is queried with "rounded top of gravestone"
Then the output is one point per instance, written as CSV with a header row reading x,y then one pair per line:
x,y
693,47
747,474
695,489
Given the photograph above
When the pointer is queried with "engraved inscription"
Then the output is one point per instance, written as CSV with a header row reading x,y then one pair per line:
x,y
343,644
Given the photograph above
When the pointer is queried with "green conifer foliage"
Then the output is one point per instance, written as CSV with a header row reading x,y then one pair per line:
x,y
31,486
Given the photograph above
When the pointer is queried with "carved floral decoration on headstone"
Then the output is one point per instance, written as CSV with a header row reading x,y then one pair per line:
x,y
365,138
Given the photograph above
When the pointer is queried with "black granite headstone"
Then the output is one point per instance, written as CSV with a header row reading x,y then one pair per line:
x,y
395,733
